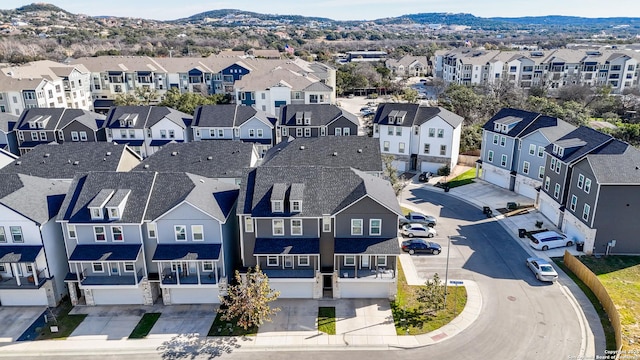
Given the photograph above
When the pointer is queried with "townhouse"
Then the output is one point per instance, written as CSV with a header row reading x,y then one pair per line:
x,y
8,137
32,258
320,232
513,149
409,66
421,138
315,120
146,128
234,122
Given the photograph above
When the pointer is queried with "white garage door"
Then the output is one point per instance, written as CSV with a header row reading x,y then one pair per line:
x,y
23,297
548,210
573,232
118,297
527,190
195,296
497,178
399,165
293,289
429,166
373,290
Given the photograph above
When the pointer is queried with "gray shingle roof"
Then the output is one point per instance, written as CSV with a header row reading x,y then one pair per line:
x,y
370,246
63,161
8,122
187,252
321,114
327,190
209,158
105,252
227,115
287,246
414,114
358,152
525,118
579,142
87,118
53,114
616,163
147,116
36,198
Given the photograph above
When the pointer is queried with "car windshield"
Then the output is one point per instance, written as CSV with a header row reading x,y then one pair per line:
x,y
546,268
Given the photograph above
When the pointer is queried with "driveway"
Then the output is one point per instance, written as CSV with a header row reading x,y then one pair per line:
x,y
184,319
106,322
16,320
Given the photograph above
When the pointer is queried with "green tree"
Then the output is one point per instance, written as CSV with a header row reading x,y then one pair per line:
x,y
471,138
140,96
247,301
462,100
188,102
432,295
410,95
391,173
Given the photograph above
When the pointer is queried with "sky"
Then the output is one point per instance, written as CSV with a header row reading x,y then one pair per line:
x,y
345,9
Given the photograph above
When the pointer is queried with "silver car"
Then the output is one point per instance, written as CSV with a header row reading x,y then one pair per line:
x,y
418,230
542,269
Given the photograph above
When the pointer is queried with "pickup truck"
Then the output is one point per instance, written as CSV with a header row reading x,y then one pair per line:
x,y
417,218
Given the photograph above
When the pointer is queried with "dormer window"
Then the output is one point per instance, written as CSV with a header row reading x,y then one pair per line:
x,y
277,197
276,206
96,213
505,128
299,117
115,205
296,205
307,118
114,213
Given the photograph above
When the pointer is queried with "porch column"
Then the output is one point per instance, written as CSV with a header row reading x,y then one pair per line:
x,y
198,271
215,269
14,269
159,271
77,272
34,273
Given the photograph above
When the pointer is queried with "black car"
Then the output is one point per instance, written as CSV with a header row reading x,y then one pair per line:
x,y
421,245
425,176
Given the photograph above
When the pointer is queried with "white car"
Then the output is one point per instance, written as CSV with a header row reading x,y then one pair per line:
x,y
542,269
548,240
418,230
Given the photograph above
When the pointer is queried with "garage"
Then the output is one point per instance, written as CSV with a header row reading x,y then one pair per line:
x,y
118,297
194,296
525,189
295,289
372,290
429,166
495,177
548,209
23,297
401,166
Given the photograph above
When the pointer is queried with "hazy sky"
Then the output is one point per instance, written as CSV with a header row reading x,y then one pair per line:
x,y
346,9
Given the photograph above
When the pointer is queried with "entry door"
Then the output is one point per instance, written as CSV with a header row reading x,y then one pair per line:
x,y
327,282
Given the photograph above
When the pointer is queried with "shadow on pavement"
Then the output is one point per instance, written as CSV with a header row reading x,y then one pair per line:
x,y
192,346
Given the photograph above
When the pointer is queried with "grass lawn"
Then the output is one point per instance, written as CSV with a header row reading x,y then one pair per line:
x,y
463,179
229,328
406,307
66,323
327,320
144,325
620,275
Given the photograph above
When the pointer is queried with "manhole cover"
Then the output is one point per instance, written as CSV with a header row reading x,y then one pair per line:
x,y
512,298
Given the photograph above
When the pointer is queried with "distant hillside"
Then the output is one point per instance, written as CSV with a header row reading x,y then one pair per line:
x,y
40,7
558,20
217,14
441,18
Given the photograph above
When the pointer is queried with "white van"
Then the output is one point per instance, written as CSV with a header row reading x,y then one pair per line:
x,y
548,240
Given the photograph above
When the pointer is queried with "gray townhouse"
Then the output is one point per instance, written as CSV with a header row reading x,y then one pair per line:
x,y
234,122
358,152
33,263
8,137
45,125
146,129
320,232
513,149
316,120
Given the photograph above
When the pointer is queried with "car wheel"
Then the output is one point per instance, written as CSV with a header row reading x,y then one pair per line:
x,y
538,277
411,251
430,235
410,235
569,243
435,252
431,225
545,248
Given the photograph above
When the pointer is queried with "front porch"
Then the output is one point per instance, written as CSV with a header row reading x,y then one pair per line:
x,y
22,282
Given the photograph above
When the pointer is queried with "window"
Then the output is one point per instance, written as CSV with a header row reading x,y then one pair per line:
x,y
416,130
398,131
574,202
587,186
71,231
553,164
197,232
298,132
364,261
172,134
132,134
83,136
272,261
532,149
129,267
540,151
284,131
307,132
278,227
180,232
490,156
376,128
580,181
295,206
123,134
381,261
97,267
220,132
3,236
163,134
390,130
296,226
98,232
346,131
303,260
323,131
443,150
152,230
401,148
113,213
385,146
541,172
558,164
212,132
349,260
525,167
2,268
248,224
427,148
503,141
116,233
260,133
207,266
496,138
432,132
34,136
556,191
276,206
585,212
375,227
440,133
356,226
326,224
96,213
74,136
252,132
16,234
503,160
288,261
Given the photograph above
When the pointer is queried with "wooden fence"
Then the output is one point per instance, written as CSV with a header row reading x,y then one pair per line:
x,y
591,280
468,160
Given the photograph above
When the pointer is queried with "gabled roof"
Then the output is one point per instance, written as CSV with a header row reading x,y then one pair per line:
x,y
552,128
146,116
578,143
414,114
35,198
522,117
85,187
617,163
327,190
209,158
318,86
319,114
358,152
227,115
90,119
64,161
51,115
8,122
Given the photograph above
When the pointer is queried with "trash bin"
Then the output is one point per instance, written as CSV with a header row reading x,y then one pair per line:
x,y
486,209
512,205
522,233
579,246
446,188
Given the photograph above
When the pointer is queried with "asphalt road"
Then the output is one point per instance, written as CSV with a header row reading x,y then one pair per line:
x,y
521,317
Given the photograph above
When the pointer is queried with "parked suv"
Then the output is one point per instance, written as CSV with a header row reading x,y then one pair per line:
x,y
417,218
548,240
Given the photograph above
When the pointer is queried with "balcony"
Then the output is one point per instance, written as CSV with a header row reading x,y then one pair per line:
x,y
366,273
170,278
26,282
113,280
289,273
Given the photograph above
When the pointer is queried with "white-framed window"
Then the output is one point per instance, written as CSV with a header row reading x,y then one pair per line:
x,y
540,151
556,191
296,226
303,260
532,149
503,160
212,132
503,141
220,133
132,133
580,181
323,130
197,232
74,136
197,133
43,135
272,261
296,205
346,131
558,165
356,226
152,230
252,132
390,130
123,134
277,226
180,232
443,150
298,132
398,130
207,266
3,236
99,235
385,146
547,181
116,233
587,185
16,234
260,133
129,267
541,172
375,227
376,128
440,133
288,261
427,148
337,131
276,206
284,131
401,148
553,164
349,260
307,132
585,212
114,213
574,202
34,136
97,267
381,260
172,134
71,231
163,134
364,261
525,167
83,136
326,224
496,138
490,156
96,213
432,132
248,224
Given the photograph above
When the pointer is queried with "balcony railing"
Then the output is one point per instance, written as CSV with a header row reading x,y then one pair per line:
x,y
289,273
170,278
106,280
26,282
381,273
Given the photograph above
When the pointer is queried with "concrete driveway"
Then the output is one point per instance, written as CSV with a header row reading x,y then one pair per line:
x,y
364,321
184,319
106,322
16,320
